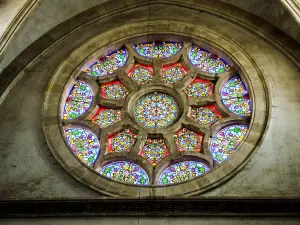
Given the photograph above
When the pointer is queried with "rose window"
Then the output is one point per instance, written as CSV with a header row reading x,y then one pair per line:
x,y
156,113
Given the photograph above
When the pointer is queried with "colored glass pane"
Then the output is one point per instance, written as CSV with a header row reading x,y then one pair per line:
x,y
158,49
226,141
173,73
235,97
187,140
155,150
108,64
199,88
141,74
84,143
125,172
121,142
182,171
114,91
156,110
206,115
206,61
107,117
79,100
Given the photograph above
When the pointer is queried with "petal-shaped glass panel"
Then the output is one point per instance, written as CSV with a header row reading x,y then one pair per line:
x,y
141,74
206,61
187,140
173,73
106,117
206,115
199,88
79,100
121,142
239,106
158,49
154,151
234,88
226,141
114,91
182,171
125,172
108,64
84,143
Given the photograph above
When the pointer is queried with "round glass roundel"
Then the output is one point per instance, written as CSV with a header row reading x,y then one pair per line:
x,y
156,110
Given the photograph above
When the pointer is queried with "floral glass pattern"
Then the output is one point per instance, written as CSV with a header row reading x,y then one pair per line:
x,y
173,73
206,61
79,100
156,110
235,97
125,172
187,140
226,141
84,144
105,117
154,151
114,91
182,171
121,142
141,74
199,88
158,49
108,64
206,115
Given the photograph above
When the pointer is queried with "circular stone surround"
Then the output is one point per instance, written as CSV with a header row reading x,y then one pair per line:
x,y
156,110
218,172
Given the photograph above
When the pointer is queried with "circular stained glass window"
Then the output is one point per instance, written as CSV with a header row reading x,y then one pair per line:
x,y
156,110
170,120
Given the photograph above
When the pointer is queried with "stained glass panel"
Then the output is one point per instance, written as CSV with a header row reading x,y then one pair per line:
x,y
158,49
235,97
187,140
206,115
106,117
125,172
173,73
108,64
199,88
84,143
155,150
156,110
206,61
114,91
121,142
141,74
226,141
182,171
79,100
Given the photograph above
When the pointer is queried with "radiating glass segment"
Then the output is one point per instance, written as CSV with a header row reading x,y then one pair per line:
x,y
158,49
182,171
206,115
108,64
154,151
206,61
121,142
105,117
114,91
127,172
141,74
187,140
199,88
235,97
226,141
156,110
84,144
173,73
79,100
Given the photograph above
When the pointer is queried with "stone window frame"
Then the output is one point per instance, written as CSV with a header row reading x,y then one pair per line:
x,y
82,56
